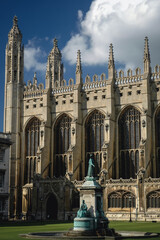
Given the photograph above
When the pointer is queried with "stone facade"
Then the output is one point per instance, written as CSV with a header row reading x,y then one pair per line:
x,y
5,142
55,128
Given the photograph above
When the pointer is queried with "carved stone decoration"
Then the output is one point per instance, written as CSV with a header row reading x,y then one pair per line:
x,y
42,133
143,141
108,115
73,130
107,127
142,152
105,146
69,175
105,155
140,174
143,123
144,110
71,147
103,176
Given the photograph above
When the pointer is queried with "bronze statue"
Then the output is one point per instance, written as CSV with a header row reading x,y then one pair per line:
x,y
83,211
91,167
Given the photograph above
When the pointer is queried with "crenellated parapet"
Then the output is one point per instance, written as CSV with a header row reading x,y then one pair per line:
x,y
130,78
33,89
155,76
96,82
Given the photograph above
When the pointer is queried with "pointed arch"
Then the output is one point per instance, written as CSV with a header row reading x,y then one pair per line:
x,y
157,141
129,125
121,199
62,141
52,207
32,136
94,138
153,199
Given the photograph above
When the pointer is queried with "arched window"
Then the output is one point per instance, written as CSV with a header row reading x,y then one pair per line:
x,y
157,135
94,129
32,134
121,199
129,138
62,139
153,199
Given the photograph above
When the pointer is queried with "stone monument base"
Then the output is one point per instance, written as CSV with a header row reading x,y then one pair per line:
x,y
84,224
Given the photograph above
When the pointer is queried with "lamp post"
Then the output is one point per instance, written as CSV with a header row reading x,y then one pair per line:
x,y
130,201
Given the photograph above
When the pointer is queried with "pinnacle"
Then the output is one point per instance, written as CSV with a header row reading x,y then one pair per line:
x,y
55,43
78,66
35,75
15,21
146,48
111,57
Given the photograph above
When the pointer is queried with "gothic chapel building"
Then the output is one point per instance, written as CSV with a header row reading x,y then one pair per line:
x,y
55,129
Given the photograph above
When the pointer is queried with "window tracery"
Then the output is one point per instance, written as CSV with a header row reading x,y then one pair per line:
x,y
129,139
157,121
94,129
62,136
32,133
153,199
121,199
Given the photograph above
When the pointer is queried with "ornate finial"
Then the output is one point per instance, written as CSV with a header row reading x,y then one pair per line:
x,y
146,56
35,79
111,65
146,49
111,56
55,43
78,66
15,21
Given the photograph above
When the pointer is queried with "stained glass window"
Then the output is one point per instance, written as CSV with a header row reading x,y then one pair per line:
x,y
158,143
62,136
32,143
153,199
94,139
121,199
129,138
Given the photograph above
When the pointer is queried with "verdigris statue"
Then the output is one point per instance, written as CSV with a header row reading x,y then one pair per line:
x,y
91,167
83,211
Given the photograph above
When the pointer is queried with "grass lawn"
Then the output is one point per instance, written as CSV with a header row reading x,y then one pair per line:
x,y
11,231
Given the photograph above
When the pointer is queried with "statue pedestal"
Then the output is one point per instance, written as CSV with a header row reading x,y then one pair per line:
x,y
84,224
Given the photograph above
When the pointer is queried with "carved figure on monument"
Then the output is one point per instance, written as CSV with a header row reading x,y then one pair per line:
x,y
91,167
83,211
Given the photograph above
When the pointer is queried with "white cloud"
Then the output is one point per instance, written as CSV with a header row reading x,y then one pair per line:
x,y
125,23
80,15
33,57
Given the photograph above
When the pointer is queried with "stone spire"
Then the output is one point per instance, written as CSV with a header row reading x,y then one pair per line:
x,y
14,54
15,21
15,33
54,73
146,56
111,65
35,79
78,68
78,65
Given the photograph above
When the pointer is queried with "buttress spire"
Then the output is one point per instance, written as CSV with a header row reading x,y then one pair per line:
x,y
15,34
78,69
111,65
78,65
146,56
55,45
15,21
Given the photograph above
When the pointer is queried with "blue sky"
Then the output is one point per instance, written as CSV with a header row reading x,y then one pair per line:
x,y
88,25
